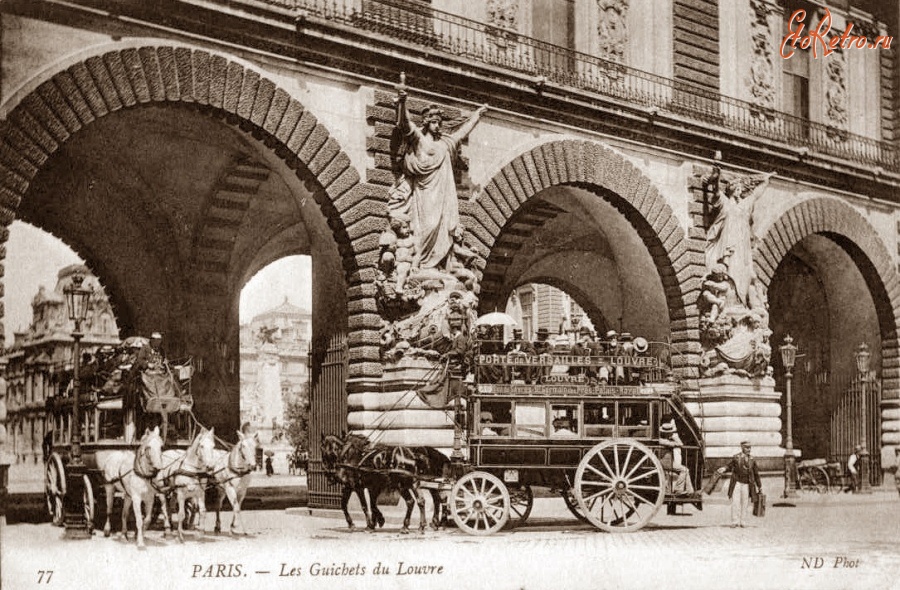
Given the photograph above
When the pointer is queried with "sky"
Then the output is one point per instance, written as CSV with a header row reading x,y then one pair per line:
x,y
34,257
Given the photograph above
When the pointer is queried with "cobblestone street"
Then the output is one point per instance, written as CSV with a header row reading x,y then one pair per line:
x,y
832,541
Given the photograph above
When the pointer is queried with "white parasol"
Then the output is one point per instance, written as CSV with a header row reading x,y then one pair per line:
x,y
495,318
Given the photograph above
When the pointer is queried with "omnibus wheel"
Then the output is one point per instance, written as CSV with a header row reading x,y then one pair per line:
x,y
521,501
90,507
479,503
55,488
619,485
568,496
814,479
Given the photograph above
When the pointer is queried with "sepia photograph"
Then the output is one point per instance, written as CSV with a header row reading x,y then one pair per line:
x,y
514,294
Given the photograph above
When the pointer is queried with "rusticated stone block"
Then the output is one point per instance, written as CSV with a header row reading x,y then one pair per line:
x,y
276,111
119,76
360,291
380,114
364,321
364,210
300,135
357,370
380,177
364,353
137,78
52,96
314,142
249,88
103,83
184,68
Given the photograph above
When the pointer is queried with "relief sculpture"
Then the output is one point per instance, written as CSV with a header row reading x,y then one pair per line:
x,y
734,317
426,270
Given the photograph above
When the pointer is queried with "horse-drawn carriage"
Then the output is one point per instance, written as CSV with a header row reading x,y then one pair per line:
x,y
116,404
599,430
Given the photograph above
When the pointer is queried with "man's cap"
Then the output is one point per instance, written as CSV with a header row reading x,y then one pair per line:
x,y
517,331
585,330
487,417
543,331
858,448
745,443
156,336
667,428
611,334
560,420
106,348
625,336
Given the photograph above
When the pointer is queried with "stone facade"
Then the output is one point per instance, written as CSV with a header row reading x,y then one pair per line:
x,y
589,176
39,361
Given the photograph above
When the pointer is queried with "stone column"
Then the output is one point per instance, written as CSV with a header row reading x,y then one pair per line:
x,y
731,409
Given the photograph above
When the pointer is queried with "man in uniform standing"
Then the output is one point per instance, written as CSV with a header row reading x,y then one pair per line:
x,y
745,483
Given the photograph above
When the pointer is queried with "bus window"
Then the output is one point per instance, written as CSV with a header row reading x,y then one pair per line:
x,y
634,419
111,424
495,418
531,419
599,419
564,420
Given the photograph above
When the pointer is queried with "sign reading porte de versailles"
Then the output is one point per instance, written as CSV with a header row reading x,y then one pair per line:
x,y
549,360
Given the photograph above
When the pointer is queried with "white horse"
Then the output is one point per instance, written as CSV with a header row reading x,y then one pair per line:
x,y
132,474
184,472
231,475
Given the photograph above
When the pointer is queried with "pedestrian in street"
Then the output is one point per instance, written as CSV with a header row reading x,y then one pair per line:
x,y
745,483
269,469
853,470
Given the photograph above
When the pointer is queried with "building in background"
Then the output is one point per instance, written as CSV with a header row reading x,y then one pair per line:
x,y
274,372
39,361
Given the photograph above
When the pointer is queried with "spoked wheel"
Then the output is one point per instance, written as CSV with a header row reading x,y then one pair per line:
x,y
479,503
619,485
90,507
814,479
572,504
55,488
521,501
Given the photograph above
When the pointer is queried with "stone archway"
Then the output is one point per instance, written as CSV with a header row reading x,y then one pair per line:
x,y
850,230
840,224
588,165
63,104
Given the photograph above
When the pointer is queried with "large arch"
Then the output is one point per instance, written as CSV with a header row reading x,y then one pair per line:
x,y
845,226
60,106
609,176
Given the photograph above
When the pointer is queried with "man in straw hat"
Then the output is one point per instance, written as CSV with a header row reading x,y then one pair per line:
x,y
668,437
745,483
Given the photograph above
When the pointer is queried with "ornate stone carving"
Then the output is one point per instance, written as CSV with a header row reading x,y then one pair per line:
x,y
836,88
734,317
503,14
426,275
612,29
762,69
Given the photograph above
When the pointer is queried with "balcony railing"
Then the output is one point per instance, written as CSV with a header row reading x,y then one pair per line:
x,y
422,26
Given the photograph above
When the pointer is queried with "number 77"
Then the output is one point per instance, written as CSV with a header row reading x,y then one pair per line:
x,y
42,574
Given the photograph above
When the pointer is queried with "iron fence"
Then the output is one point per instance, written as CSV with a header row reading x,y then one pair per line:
x,y
855,419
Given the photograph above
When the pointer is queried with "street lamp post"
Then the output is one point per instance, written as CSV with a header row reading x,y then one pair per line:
x,y
788,357
77,527
863,358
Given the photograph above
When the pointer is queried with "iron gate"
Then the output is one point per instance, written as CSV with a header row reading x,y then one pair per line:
x,y
855,419
328,415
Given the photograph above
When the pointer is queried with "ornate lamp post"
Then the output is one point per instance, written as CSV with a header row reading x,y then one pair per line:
x,y
77,527
788,357
863,357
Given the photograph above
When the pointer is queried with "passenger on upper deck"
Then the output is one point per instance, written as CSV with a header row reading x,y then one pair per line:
x,y
518,346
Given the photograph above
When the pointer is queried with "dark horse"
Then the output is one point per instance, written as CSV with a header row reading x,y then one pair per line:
x,y
356,465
